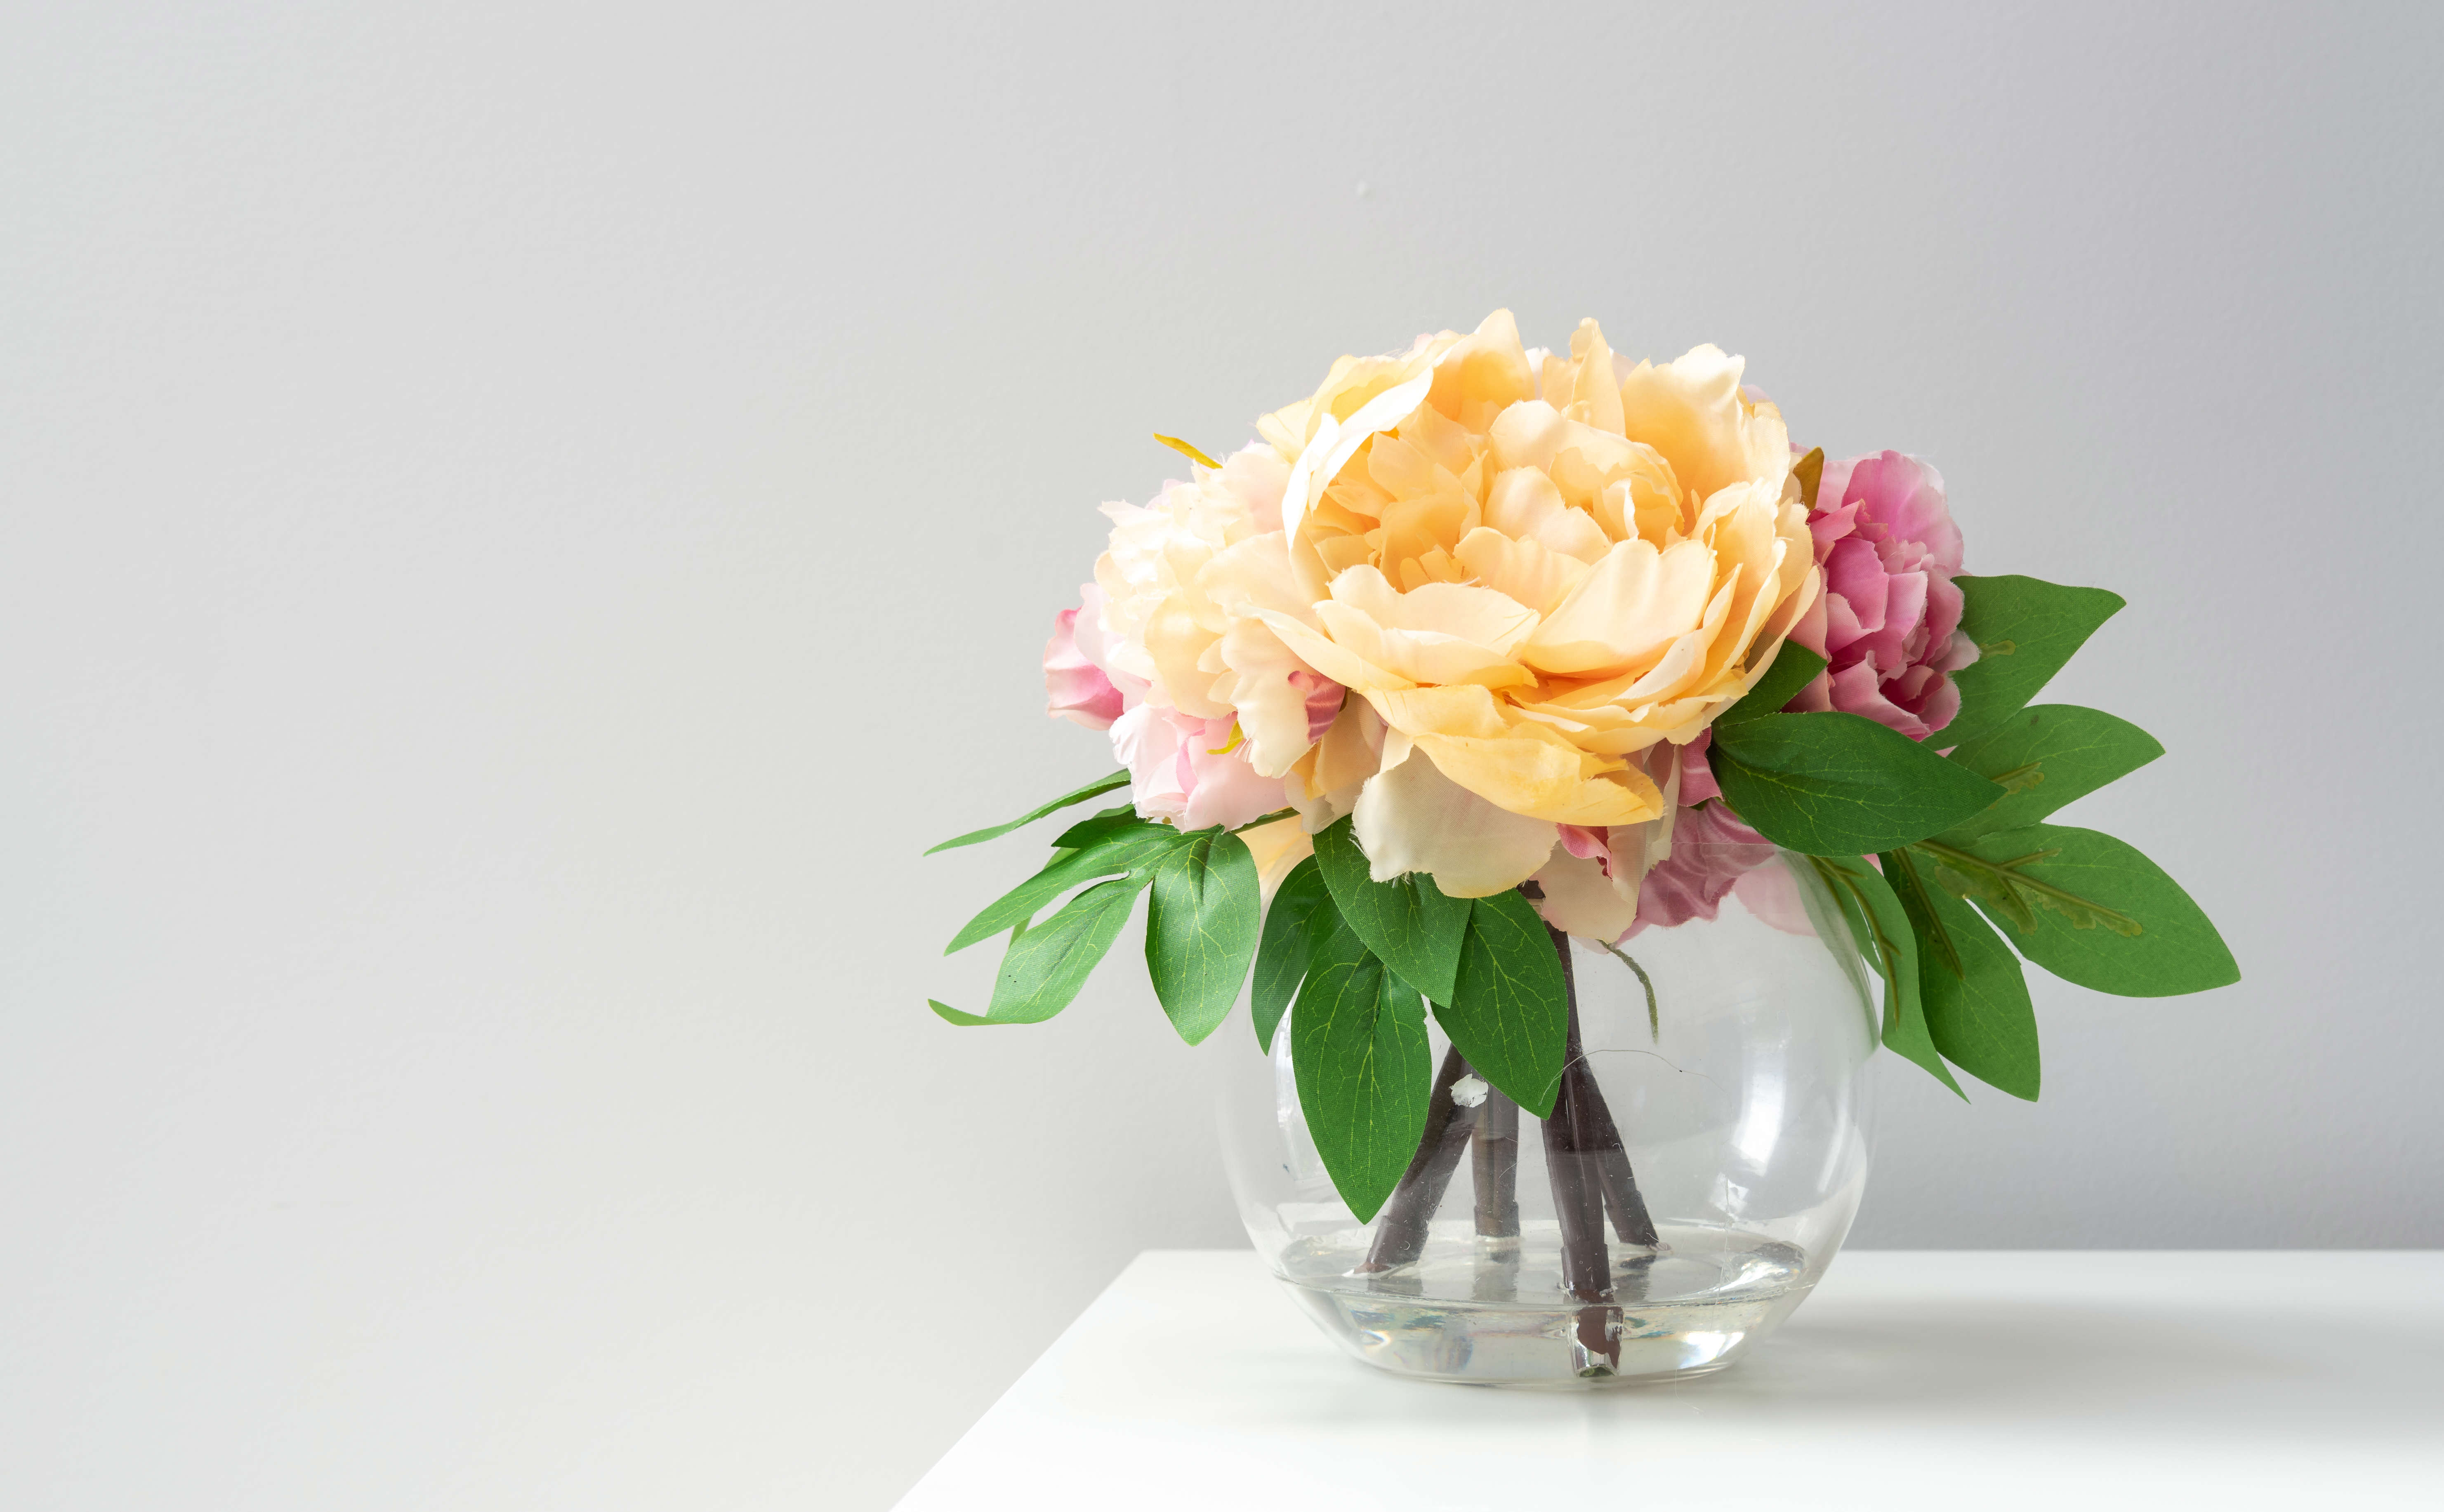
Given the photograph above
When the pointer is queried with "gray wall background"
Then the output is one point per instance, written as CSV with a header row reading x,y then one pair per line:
x,y
517,523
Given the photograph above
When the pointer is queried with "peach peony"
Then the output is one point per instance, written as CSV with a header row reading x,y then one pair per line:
x,y
1541,577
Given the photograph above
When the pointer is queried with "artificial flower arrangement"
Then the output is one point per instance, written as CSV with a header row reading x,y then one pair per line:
x,y
1478,650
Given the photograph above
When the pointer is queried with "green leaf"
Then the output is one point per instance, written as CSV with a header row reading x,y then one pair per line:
x,y
1794,666
1047,963
1201,924
1408,921
1881,927
1282,953
2024,628
2087,908
1358,1048
1510,1012
951,1015
1094,789
1120,819
2045,756
1975,1000
1132,851
1841,785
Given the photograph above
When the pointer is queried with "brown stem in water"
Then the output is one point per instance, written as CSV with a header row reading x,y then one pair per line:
x,y
1401,1236
1573,1157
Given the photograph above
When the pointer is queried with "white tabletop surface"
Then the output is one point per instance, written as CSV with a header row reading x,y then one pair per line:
x,y
2068,1379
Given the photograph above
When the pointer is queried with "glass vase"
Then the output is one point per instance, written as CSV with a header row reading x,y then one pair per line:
x,y
1703,1161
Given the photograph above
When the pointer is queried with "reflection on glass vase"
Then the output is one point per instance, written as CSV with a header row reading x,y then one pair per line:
x,y
1702,1162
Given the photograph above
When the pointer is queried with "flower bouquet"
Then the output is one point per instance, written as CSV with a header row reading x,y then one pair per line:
x,y
1536,734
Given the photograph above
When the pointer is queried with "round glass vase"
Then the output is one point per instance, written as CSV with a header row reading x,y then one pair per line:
x,y
1703,1162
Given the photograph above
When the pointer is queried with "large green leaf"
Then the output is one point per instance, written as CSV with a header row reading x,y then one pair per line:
x,y
2045,756
1046,965
1202,925
1510,1012
1131,848
1358,1048
1881,928
1300,904
1841,785
1970,985
2025,629
2087,908
1094,789
1407,921
1794,666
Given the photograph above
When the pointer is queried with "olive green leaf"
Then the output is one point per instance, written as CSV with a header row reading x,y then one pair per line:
x,y
1093,789
1201,926
1809,471
1300,904
2088,908
1509,1010
1975,1000
1407,921
2046,755
1840,785
2025,629
1881,928
1358,1050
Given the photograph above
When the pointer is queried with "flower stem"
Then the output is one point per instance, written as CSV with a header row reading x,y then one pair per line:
x,y
1400,1237
1654,1015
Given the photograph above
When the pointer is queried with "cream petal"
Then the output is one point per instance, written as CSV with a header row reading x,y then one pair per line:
x,y
1579,899
1277,846
1329,657
1251,575
1418,656
1271,707
1411,818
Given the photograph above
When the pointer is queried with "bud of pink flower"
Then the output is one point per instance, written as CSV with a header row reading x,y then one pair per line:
x,y
1889,619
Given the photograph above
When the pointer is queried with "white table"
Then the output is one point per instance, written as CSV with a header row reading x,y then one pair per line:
x,y
2072,1380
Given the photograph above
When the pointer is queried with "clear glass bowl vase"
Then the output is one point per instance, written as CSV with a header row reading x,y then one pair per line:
x,y
1702,1166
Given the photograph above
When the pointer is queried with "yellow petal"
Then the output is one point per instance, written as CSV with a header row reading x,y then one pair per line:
x,y
1694,413
1625,611
1524,505
1526,571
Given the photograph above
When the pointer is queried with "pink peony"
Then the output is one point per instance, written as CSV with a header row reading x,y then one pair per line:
x,y
1194,771
1711,851
1889,619
1181,768
1076,687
